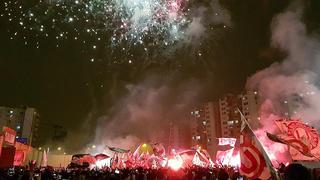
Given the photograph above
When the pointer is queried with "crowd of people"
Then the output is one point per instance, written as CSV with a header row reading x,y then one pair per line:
x,y
291,172
223,173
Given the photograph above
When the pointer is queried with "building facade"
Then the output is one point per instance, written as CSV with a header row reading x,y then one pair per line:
x,y
25,121
250,105
205,125
178,135
221,118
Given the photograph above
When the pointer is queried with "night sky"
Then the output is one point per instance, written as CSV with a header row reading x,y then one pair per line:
x,y
67,74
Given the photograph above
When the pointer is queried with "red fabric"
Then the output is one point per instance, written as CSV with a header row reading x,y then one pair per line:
x,y
224,157
303,138
7,156
253,158
9,135
101,156
1,143
18,158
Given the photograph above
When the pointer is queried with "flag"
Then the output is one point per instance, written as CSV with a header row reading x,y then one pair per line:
x,y
225,150
114,161
224,157
255,162
9,135
44,161
1,142
159,149
298,145
118,150
303,139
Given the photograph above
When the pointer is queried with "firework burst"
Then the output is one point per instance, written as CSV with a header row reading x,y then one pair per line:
x,y
148,21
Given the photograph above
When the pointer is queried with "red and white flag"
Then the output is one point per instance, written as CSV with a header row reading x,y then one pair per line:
x,y
224,156
255,162
44,162
9,135
302,136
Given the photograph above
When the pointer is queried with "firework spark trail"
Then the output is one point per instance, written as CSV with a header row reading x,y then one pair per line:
x,y
154,21
125,28
128,20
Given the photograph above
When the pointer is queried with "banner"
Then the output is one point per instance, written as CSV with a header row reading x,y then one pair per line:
x,y
22,140
224,156
9,135
227,141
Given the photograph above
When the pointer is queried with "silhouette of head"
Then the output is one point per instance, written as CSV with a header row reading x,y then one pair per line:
x,y
296,171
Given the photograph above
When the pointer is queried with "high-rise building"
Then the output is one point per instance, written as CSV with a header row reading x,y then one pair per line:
x,y
213,120
205,126
179,134
250,105
230,117
25,121
293,103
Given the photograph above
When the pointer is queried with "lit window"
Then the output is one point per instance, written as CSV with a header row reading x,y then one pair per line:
x,y
230,123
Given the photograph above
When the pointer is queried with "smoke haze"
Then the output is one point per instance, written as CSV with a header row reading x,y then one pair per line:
x,y
289,88
204,18
292,85
143,115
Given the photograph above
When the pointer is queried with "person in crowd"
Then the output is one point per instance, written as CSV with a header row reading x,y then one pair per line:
x,y
296,171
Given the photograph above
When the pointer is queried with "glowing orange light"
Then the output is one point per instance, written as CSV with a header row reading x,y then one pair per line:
x,y
144,145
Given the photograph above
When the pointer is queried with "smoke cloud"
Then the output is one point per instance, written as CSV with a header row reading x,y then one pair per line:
x,y
289,88
143,115
145,112
204,18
